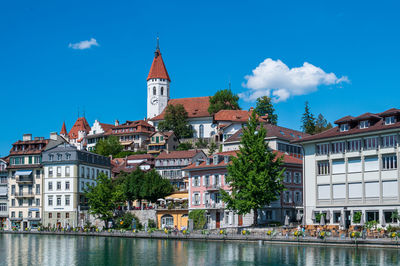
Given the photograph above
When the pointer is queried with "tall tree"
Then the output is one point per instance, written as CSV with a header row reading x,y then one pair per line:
x,y
223,100
156,187
321,124
104,198
255,175
175,120
264,106
108,146
308,120
133,185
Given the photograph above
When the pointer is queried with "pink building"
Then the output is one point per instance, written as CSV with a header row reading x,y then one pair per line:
x,y
206,178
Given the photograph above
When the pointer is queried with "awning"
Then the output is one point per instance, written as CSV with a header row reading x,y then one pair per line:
x,y
33,209
23,172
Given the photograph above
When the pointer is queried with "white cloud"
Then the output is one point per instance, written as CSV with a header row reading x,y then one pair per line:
x,y
276,79
84,44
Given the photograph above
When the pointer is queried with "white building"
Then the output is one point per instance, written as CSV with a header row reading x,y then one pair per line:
x,y
96,133
352,168
67,173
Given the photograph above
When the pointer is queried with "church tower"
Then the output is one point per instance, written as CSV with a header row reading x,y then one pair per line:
x,y
157,86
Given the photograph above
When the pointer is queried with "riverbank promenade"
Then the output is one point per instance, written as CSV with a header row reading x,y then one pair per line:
x,y
229,237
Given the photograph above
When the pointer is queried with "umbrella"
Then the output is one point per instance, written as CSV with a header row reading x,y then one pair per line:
x,y
298,216
313,216
328,216
303,220
383,222
362,222
322,221
286,220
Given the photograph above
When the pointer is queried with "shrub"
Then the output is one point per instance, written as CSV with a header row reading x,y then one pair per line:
x,y
151,223
357,217
125,221
199,218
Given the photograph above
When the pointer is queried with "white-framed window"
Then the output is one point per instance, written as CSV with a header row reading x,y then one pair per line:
x,y
287,177
50,171
344,127
58,200
59,185
364,124
297,197
390,120
196,199
50,200
66,185
338,147
287,196
50,185
322,149
371,143
196,181
354,145
389,162
58,170
389,141
67,171
297,178
67,200
323,168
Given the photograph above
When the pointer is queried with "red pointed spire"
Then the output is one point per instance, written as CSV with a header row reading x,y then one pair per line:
x,y
158,69
63,129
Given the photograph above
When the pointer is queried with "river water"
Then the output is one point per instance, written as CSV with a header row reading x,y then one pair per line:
x,y
76,250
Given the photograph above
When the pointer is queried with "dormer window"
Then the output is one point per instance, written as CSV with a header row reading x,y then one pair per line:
x,y
344,127
364,124
390,120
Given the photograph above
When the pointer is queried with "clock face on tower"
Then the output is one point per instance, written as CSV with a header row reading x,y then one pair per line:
x,y
154,100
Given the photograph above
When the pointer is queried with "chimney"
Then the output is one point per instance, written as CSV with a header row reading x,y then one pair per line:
x,y
251,109
53,135
27,137
116,123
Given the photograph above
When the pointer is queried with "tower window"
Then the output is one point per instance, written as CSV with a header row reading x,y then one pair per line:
x,y
154,90
162,90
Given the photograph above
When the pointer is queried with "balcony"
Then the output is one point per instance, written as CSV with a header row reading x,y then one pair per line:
x,y
24,179
213,205
24,195
213,187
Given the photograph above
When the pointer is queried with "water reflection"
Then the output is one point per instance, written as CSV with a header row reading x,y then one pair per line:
x,y
70,250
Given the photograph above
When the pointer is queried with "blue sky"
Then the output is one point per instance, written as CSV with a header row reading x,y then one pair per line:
x,y
205,44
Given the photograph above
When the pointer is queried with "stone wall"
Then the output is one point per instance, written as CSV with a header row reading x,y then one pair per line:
x,y
145,215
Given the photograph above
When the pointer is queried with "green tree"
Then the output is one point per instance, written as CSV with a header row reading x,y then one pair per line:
x,y
199,219
212,147
308,120
175,120
255,175
132,185
124,154
321,124
104,198
156,187
223,100
108,146
264,106
184,146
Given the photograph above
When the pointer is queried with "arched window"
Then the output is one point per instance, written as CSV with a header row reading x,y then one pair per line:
x,y
154,90
201,131
162,90
167,221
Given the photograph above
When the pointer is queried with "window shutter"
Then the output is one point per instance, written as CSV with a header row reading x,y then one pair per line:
x,y
220,180
192,202
204,180
290,196
204,198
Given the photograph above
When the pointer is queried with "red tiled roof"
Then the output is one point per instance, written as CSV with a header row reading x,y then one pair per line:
x,y
106,127
63,129
287,159
140,156
232,115
80,125
166,134
178,154
273,131
195,107
158,69
377,123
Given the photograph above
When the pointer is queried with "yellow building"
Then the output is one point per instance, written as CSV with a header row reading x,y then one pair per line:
x,y
173,211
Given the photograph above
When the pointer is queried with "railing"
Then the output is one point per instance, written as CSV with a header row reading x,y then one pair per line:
x,y
24,179
24,195
213,187
213,205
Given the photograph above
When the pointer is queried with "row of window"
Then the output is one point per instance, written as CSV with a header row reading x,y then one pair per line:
x,y
67,200
161,91
292,197
37,214
287,177
91,173
58,185
206,199
21,160
58,215
354,165
171,174
29,202
59,156
67,171
129,137
172,162
357,144
370,216
208,180
290,149
366,123
21,188
3,207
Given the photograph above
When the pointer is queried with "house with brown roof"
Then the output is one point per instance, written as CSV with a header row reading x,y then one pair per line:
x,y
207,178
77,136
170,164
133,135
278,138
162,141
96,133
351,170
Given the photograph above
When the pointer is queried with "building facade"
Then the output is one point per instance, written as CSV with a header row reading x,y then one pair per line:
x,y
97,133
68,172
206,179
25,186
3,192
352,168
162,141
170,165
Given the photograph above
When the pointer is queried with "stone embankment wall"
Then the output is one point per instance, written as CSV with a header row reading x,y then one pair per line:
x,y
145,215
